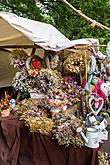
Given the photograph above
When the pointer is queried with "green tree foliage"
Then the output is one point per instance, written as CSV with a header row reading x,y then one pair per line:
x,y
23,8
74,26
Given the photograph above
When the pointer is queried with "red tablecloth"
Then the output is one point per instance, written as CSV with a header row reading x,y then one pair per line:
x,y
19,147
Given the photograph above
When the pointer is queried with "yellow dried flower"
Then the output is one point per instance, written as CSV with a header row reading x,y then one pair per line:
x,y
74,63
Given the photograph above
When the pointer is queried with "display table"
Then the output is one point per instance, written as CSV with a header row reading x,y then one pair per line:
x,y
19,147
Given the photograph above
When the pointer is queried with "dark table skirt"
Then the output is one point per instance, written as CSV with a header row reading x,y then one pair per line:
x,y
19,147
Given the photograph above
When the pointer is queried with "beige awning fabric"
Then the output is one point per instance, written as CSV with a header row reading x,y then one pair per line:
x,y
11,36
7,72
18,30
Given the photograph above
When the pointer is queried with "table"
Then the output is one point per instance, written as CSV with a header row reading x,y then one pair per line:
x,y
20,147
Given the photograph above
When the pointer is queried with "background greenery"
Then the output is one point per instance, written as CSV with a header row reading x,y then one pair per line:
x,y
63,18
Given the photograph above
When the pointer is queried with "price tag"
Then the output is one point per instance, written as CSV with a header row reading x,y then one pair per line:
x,y
37,96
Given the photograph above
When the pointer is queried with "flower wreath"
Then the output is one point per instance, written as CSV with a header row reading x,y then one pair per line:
x,y
74,63
18,58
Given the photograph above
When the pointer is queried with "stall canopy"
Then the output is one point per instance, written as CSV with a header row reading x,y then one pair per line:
x,y
16,30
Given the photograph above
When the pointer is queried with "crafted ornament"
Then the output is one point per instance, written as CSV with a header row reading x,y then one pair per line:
x,y
35,63
74,63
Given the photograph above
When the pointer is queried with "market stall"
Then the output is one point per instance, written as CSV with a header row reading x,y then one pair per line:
x,y
62,98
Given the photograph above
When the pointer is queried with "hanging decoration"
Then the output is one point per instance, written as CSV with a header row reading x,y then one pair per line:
x,y
94,105
33,66
48,80
23,82
74,63
54,61
18,58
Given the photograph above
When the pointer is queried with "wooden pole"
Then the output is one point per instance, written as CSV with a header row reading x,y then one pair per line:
x,y
18,96
47,60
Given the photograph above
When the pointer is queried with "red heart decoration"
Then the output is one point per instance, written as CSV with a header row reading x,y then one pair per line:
x,y
36,64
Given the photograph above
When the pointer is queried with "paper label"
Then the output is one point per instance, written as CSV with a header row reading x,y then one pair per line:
x,y
36,95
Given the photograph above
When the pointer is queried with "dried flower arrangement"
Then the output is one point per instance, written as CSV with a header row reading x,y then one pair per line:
x,y
34,114
103,158
65,130
73,91
47,80
18,58
74,63
23,82
37,121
